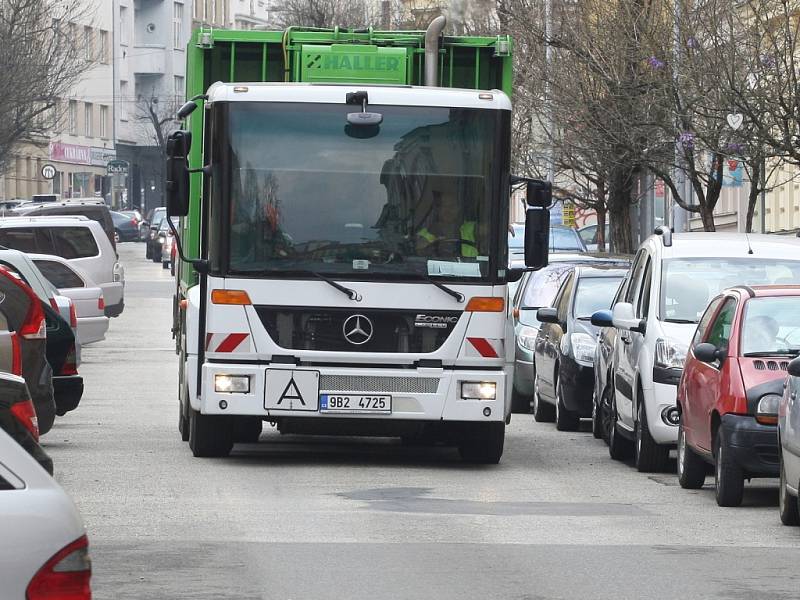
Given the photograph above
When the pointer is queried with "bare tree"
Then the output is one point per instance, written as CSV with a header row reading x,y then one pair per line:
x,y
326,13
40,62
156,118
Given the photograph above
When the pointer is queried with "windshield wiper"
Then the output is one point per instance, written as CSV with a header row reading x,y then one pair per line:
x,y
686,321
771,353
352,294
457,295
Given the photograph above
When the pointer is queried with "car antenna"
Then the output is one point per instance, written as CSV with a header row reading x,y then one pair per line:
x,y
749,247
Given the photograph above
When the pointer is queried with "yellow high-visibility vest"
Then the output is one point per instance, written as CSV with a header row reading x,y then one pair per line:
x,y
466,232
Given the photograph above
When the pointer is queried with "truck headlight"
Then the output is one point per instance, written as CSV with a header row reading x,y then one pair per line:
x,y
478,390
767,409
670,354
526,338
232,384
583,346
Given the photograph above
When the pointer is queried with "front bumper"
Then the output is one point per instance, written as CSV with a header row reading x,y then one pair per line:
x,y
440,400
68,391
657,399
753,446
577,385
523,373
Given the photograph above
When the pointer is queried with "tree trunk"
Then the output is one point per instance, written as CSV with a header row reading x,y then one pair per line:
x,y
619,209
601,229
752,198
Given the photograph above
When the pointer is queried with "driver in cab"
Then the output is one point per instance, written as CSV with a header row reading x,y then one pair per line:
x,y
447,232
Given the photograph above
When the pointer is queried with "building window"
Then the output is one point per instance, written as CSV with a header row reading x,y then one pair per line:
x,y
123,100
103,50
104,122
177,27
56,114
89,116
123,25
179,91
72,118
88,44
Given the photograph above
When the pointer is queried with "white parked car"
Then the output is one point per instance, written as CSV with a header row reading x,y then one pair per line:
x,y
77,239
75,284
789,447
671,281
43,546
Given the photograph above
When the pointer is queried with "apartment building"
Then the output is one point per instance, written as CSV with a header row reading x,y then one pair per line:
x,y
77,135
231,14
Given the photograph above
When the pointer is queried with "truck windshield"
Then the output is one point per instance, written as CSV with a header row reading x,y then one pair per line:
x,y
421,196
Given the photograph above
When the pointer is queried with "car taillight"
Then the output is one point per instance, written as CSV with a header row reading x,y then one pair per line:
x,y
73,315
66,576
26,415
34,327
101,303
70,366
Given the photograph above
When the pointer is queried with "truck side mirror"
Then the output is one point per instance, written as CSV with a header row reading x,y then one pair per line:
x,y
539,195
178,145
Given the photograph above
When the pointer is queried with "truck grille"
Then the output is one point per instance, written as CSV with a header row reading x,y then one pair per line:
x,y
325,329
369,383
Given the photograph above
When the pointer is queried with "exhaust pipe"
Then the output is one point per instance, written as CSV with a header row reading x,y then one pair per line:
x,y
432,50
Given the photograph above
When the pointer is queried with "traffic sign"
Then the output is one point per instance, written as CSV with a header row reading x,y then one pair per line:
x,y
117,167
49,171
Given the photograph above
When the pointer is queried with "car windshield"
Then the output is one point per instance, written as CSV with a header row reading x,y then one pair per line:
x,y
415,195
593,294
562,239
771,326
688,284
540,289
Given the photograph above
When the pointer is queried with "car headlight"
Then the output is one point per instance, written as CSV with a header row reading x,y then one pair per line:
x,y
526,338
583,346
232,384
767,409
478,390
670,354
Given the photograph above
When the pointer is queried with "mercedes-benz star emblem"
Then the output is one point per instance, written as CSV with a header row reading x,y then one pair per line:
x,y
357,329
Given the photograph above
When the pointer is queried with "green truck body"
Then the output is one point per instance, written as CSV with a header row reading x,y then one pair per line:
x,y
327,56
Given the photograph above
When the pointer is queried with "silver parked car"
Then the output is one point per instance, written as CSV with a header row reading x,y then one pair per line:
x,y
789,440
43,547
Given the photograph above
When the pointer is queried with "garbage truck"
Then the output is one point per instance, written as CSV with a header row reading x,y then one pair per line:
x,y
342,208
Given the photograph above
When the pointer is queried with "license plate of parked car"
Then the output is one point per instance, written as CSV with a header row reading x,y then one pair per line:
x,y
352,403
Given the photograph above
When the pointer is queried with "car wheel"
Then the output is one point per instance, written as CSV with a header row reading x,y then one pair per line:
x,y
486,447
210,435
691,468
172,268
597,420
728,476
619,447
787,504
566,420
606,404
542,412
650,456
519,403
147,253
165,264
156,256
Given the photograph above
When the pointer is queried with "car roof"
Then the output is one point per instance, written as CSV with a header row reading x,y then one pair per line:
x,y
47,220
725,244
765,291
600,271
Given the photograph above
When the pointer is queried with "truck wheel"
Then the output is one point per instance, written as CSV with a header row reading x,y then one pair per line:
x,y
183,420
619,447
650,456
566,420
691,468
486,447
542,412
210,435
247,430
728,476
787,503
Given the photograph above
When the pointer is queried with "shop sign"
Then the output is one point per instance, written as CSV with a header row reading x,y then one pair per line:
x,y
70,153
102,156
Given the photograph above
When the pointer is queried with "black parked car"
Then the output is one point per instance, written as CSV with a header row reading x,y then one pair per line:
x,y
18,418
565,345
152,243
62,356
126,228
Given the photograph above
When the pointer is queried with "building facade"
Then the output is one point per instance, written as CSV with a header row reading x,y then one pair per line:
x,y
77,137
231,14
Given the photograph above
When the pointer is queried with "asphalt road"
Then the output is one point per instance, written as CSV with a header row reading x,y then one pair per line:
x,y
296,518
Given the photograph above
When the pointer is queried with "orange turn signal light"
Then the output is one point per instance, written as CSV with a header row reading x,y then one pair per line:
x,y
485,304
767,419
237,297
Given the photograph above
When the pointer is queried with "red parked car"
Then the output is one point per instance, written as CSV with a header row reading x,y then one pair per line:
x,y
732,385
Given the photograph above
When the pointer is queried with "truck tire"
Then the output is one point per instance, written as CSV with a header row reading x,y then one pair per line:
x,y
787,504
566,420
691,468
728,476
183,419
650,456
542,412
247,430
210,435
486,447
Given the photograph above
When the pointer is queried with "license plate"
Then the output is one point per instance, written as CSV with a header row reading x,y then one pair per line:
x,y
351,403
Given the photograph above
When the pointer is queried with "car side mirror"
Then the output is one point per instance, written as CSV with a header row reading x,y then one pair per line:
x,y
548,315
794,367
539,196
178,145
602,318
707,353
622,317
